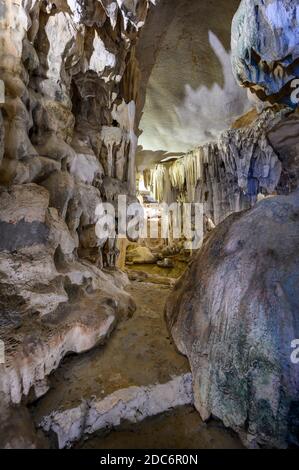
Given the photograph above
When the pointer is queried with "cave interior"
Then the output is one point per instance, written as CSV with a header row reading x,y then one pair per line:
x,y
149,224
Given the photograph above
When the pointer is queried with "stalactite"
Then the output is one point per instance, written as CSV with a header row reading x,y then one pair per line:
x,y
147,178
226,176
177,174
159,183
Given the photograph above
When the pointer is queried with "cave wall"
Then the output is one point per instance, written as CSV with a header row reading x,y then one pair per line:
x,y
265,49
67,121
257,157
70,80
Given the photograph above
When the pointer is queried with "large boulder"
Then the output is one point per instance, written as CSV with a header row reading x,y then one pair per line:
x,y
235,314
138,254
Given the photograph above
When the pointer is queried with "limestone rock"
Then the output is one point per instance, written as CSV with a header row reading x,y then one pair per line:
x,y
38,347
28,244
64,66
1,136
165,263
234,313
132,404
44,290
283,138
228,175
140,254
265,48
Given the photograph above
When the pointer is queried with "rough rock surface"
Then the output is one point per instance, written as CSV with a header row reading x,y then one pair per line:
x,y
283,138
111,384
67,143
44,290
228,175
265,48
180,428
70,76
137,254
235,314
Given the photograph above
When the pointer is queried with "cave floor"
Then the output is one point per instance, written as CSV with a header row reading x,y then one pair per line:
x,y
179,266
139,352
181,428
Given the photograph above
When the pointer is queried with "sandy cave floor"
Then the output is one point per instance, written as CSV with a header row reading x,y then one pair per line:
x,y
178,429
139,352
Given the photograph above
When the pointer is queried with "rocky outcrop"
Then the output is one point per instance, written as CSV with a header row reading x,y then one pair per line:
x,y
265,49
283,137
137,254
235,315
44,290
67,143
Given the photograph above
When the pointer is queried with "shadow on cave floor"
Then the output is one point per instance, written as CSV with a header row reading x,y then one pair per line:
x,y
181,428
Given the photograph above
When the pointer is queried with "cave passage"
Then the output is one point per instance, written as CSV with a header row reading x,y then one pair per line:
x,y
149,222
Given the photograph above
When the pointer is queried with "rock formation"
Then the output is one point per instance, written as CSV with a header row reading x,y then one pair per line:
x,y
228,175
52,303
70,89
265,49
67,143
73,81
234,314
132,404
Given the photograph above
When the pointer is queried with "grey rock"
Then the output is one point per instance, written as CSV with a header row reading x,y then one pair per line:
x,y
234,313
265,48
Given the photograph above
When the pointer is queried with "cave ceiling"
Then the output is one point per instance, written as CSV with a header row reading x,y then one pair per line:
x,y
191,94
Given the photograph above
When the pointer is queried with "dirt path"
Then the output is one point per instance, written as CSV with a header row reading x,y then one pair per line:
x,y
139,352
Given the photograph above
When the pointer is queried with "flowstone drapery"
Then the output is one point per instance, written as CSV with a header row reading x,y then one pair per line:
x,y
227,176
